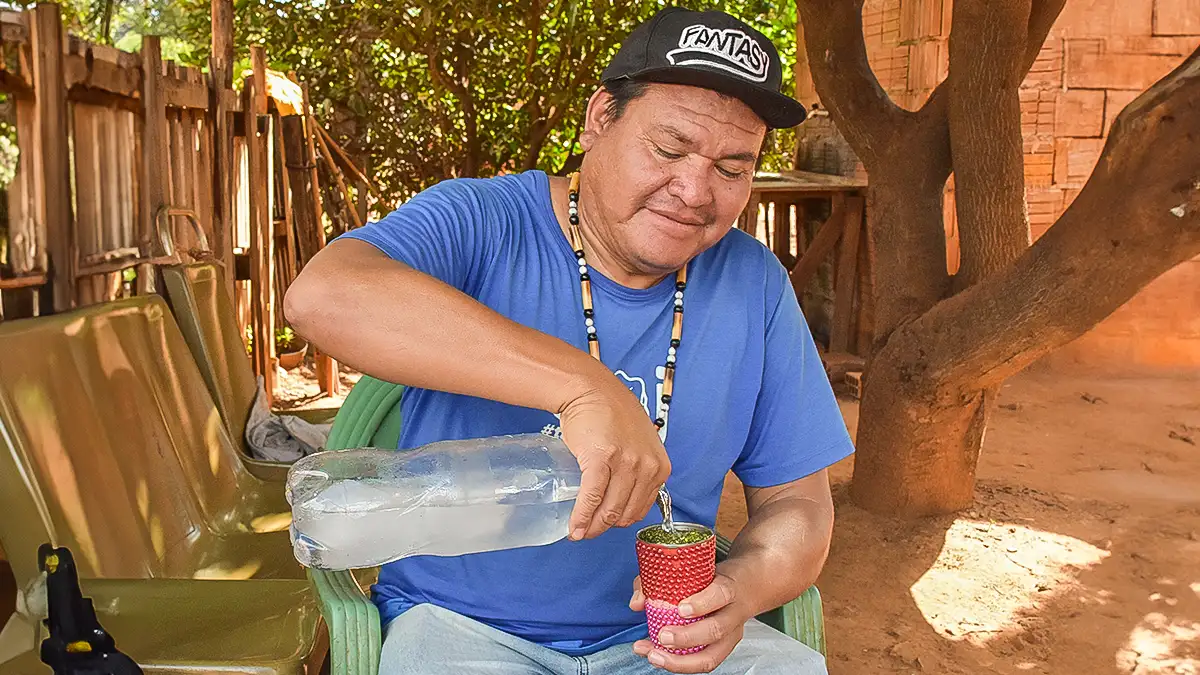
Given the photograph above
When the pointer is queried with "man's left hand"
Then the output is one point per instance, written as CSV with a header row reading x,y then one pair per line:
x,y
720,630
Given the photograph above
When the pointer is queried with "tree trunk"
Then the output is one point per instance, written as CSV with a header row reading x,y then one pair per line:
x,y
930,388
916,455
939,358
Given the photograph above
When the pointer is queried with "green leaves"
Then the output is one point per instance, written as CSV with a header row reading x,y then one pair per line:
x,y
423,90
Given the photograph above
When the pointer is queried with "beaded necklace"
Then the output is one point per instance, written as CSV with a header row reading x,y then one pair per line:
x,y
589,314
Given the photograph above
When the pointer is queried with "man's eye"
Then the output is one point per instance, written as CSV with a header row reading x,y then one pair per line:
x,y
667,155
730,173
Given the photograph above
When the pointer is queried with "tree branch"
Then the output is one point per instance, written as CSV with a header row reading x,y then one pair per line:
x,y
988,43
837,57
933,128
1137,217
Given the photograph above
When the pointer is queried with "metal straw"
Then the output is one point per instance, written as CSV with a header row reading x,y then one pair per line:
x,y
664,504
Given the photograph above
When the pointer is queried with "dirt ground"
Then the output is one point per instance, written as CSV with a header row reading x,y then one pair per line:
x,y
1082,554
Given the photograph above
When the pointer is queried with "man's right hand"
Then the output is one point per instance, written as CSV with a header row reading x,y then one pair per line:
x,y
623,460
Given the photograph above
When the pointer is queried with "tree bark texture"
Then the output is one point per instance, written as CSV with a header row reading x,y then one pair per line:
x,y
987,43
943,347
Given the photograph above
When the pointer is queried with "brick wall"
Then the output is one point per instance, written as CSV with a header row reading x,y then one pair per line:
x,y
1099,56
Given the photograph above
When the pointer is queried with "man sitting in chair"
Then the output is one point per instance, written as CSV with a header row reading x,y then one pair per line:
x,y
618,308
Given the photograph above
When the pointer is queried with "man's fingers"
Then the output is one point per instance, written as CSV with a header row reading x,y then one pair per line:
x,y
640,501
707,631
637,602
592,486
704,661
716,595
616,497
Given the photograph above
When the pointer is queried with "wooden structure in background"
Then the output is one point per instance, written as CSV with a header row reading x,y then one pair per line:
x,y
780,200
128,162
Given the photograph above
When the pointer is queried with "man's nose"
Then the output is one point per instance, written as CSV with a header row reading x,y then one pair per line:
x,y
689,184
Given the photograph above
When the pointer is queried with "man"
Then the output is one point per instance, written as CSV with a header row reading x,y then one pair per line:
x,y
628,316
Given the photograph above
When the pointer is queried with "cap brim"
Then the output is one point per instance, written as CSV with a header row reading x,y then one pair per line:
x,y
776,109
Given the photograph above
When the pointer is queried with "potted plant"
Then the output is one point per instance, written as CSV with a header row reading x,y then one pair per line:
x,y
289,347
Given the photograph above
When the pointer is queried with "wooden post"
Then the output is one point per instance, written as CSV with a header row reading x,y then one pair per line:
x,y
327,367
285,197
305,199
154,156
847,276
781,232
220,82
822,245
262,295
55,196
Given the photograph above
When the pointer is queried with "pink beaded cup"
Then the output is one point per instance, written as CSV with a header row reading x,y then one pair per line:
x,y
672,572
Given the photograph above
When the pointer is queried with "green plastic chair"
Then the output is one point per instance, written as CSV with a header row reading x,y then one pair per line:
x,y
370,417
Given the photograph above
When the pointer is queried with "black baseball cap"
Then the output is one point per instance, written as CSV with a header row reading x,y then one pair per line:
x,y
712,50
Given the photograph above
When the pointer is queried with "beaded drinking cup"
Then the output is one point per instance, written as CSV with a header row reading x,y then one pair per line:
x,y
671,572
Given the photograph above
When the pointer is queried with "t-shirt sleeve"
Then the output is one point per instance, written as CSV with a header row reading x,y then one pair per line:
x,y
447,231
797,428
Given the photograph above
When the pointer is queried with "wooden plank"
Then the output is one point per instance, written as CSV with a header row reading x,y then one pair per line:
x,y
289,232
220,81
154,168
822,245
110,211
183,153
127,168
258,62
88,188
311,160
85,72
202,176
183,94
30,281
781,231
56,177
847,276
26,229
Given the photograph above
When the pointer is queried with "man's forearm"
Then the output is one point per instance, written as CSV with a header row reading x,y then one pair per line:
x,y
395,323
781,550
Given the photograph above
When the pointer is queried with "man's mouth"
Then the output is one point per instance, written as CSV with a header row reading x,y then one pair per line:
x,y
680,218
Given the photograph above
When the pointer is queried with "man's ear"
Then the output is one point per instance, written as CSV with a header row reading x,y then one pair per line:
x,y
597,118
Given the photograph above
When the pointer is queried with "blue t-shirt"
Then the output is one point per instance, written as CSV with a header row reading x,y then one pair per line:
x,y
750,395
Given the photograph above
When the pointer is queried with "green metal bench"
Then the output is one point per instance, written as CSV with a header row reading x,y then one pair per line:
x,y
370,417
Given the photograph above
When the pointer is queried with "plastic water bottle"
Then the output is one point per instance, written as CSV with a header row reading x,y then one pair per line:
x,y
366,507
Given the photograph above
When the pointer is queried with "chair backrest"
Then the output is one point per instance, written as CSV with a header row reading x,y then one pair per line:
x,y
205,314
369,417
111,445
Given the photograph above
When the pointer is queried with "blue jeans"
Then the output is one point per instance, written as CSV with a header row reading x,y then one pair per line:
x,y
430,639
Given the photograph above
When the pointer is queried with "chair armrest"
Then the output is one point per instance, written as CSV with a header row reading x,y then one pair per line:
x,y
802,619
355,635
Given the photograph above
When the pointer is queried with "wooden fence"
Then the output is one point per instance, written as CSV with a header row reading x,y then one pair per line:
x,y
128,162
